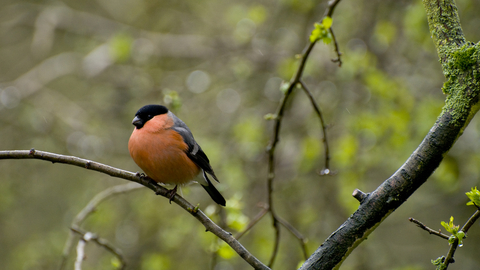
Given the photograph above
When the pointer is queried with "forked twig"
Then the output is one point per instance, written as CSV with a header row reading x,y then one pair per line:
x,y
453,247
88,236
89,209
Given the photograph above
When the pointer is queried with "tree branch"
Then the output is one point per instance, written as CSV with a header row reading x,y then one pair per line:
x,y
463,90
388,196
89,209
445,28
112,171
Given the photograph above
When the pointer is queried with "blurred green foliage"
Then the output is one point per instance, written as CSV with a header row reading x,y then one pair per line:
x,y
73,74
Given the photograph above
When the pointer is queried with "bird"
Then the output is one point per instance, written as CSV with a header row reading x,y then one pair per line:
x,y
163,146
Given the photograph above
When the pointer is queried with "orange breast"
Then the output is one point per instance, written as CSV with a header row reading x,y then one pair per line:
x,y
160,152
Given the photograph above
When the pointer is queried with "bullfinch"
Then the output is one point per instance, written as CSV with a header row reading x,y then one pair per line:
x,y
164,148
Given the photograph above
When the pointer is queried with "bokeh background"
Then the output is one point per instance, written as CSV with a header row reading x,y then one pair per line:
x,y
73,74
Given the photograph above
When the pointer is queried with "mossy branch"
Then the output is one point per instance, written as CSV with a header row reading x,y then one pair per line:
x,y
460,60
444,24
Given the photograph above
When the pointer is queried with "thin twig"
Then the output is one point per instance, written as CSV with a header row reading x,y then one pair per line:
x,y
88,236
80,254
102,196
471,221
332,4
135,177
453,247
276,239
326,170
297,234
89,209
430,231
337,49
252,223
281,108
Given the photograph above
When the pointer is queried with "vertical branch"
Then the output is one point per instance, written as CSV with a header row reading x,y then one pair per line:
x,y
276,240
80,254
273,143
296,80
444,24
326,169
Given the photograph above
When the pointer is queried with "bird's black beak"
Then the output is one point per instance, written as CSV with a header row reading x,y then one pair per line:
x,y
138,122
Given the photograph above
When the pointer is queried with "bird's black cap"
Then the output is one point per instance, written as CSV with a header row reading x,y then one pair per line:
x,y
146,113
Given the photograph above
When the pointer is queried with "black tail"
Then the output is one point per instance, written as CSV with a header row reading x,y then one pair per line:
x,y
213,192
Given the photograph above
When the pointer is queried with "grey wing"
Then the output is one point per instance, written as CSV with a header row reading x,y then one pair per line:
x,y
194,152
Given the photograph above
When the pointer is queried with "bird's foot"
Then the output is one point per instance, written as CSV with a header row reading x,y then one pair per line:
x,y
171,194
141,176
146,179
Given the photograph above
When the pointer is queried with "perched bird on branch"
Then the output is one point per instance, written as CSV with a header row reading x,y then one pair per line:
x,y
164,148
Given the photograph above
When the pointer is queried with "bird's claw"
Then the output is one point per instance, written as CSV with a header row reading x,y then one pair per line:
x,y
143,177
171,194
140,175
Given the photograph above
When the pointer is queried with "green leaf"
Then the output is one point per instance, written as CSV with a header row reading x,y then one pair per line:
x,y
327,22
327,39
453,229
451,239
321,31
474,197
439,263
450,227
315,33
